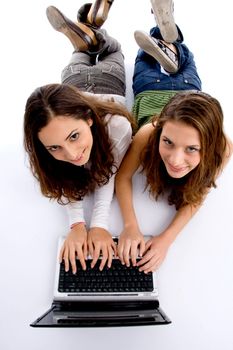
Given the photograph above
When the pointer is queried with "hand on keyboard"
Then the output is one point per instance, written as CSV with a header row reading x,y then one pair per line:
x,y
75,246
155,253
100,243
131,244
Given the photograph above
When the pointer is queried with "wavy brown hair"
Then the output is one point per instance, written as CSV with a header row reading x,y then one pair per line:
x,y
59,179
204,113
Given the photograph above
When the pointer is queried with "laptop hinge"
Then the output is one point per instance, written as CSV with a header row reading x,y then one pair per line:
x,y
105,305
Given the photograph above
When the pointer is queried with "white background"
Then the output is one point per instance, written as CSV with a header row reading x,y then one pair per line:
x,y
195,281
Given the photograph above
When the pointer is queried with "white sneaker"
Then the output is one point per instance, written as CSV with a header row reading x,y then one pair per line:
x,y
157,49
163,12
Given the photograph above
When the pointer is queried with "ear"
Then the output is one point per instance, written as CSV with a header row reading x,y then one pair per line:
x,y
90,122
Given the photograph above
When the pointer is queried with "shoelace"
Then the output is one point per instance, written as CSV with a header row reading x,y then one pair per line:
x,y
171,54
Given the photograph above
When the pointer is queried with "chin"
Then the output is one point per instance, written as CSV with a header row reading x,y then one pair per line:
x,y
178,175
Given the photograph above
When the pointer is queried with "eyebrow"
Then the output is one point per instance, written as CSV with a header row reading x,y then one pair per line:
x,y
194,146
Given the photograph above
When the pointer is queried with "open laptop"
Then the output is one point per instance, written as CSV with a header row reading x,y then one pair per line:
x,y
116,296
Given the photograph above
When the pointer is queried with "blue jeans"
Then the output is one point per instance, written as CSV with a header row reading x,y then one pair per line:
x,y
148,75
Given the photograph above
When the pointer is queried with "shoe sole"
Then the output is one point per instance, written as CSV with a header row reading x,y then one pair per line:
x,y
165,20
79,34
147,44
99,12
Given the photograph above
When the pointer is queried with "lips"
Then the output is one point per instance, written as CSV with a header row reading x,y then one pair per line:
x,y
176,169
79,159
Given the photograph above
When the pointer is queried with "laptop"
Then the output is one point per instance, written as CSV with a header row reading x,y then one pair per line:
x,y
114,297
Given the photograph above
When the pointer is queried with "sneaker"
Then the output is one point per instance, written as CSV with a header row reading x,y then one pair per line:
x,y
156,48
99,12
163,12
80,35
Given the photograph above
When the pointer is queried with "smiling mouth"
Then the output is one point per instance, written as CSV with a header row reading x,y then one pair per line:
x,y
175,169
78,159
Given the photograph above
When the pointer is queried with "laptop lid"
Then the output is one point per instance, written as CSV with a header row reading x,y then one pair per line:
x,y
108,314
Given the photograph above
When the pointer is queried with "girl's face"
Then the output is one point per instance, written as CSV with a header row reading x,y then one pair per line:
x,y
68,139
179,148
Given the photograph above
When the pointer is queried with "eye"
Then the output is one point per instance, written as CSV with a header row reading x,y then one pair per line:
x,y
74,136
167,142
52,148
192,149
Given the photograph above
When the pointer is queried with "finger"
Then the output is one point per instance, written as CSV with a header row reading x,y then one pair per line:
x,y
85,250
110,256
90,248
104,258
113,248
142,248
81,258
149,266
148,244
134,253
96,254
126,254
152,268
66,260
147,257
120,252
73,260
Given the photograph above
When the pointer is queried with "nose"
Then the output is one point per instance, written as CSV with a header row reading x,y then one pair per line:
x,y
70,153
176,158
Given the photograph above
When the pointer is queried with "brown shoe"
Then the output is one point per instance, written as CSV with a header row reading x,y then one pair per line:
x,y
80,35
99,12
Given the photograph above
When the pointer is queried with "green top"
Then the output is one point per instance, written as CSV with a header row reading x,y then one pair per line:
x,y
150,103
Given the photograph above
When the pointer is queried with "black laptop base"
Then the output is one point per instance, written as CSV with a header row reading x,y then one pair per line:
x,y
102,314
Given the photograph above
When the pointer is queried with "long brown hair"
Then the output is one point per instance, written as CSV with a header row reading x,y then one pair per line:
x,y
59,179
204,113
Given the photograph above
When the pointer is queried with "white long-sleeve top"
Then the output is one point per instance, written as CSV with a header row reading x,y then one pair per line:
x,y
120,133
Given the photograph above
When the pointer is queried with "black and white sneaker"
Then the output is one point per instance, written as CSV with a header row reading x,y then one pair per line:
x,y
156,48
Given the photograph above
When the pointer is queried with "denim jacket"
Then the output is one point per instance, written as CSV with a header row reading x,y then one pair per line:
x,y
148,74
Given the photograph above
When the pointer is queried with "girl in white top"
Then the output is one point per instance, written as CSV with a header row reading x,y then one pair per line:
x,y
76,139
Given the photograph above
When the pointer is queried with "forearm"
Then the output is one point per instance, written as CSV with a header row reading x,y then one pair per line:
x,y
124,194
75,212
181,218
102,204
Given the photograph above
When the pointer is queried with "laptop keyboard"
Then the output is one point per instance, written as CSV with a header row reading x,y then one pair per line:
x,y
116,279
